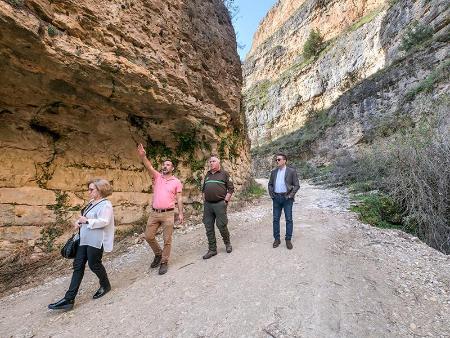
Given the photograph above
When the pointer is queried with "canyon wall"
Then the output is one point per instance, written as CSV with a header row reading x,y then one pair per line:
x,y
362,72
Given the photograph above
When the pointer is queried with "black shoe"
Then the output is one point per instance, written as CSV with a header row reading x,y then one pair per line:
x,y
163,268
101,292
63,304
156,261
276,243
209,254
289,244
228,247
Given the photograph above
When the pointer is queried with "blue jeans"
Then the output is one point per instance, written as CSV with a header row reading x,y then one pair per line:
x,y
282,202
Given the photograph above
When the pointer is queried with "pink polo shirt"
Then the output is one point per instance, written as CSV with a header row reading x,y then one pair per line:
x,y
165,191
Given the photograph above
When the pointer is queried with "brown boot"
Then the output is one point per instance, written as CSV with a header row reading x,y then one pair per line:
x,y
289,244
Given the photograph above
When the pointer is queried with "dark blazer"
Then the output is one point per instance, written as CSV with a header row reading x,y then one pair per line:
x,y
290,178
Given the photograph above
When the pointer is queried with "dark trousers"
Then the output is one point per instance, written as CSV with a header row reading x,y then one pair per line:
x,y
93,256
281,202
216,213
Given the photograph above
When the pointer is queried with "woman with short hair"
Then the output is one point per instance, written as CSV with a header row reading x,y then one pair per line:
x,y
96,227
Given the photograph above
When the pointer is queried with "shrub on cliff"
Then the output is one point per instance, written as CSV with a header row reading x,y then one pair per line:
x,y
415,35
313,45
16,3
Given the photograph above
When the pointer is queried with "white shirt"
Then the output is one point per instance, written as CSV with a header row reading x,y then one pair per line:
x,y
100,227
280,184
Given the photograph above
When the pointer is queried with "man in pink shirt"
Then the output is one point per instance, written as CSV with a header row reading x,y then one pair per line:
x,y
166,190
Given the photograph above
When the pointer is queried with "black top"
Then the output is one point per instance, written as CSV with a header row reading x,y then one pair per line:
x,y
217,185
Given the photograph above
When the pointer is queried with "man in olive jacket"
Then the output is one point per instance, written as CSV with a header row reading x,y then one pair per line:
x,y
217,190
283,185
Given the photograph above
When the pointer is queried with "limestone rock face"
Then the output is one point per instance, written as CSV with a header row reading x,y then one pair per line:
x,y
82,82
282,88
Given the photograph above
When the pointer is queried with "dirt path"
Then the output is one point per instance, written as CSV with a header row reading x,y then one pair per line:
x,y
342,279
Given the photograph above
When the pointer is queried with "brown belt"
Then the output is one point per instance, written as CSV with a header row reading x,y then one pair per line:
x,y
162,210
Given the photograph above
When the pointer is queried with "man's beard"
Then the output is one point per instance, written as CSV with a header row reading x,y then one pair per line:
x,y
165,171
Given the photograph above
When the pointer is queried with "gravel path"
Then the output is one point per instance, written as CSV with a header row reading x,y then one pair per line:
x,y
342,279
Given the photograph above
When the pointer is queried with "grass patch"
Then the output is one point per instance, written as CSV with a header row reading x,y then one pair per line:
x,y
379,210
365,19
258,94
440,74
253,190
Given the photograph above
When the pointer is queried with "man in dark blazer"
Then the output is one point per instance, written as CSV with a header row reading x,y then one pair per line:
x,y
283,185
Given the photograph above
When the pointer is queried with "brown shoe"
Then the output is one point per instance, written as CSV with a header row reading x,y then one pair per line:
x,y
276,243
289,244
209,254
163,268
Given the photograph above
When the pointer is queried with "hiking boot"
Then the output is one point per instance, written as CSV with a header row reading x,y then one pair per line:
x,y
156,261
163,268
289,244
209,254
276,243
228,247
63,304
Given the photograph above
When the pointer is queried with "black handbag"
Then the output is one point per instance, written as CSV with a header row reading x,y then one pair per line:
x,y
69,250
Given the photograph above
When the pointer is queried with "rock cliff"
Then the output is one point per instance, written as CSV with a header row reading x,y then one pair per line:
x,y
361,71
82,82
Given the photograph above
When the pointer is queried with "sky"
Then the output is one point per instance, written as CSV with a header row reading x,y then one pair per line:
x,y
251,12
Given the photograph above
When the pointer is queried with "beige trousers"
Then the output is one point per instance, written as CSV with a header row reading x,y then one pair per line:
x,y
166,221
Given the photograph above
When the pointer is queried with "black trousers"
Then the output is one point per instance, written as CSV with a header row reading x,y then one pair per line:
x,y
93,256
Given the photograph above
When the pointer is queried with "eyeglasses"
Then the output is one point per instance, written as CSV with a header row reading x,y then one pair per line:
x,y
279,159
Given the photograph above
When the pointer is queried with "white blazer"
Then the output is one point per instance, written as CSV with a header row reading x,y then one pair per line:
x,y
100,227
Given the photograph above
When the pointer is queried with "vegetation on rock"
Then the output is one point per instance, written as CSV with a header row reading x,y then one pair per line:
x,y
416,34
314,44
410,171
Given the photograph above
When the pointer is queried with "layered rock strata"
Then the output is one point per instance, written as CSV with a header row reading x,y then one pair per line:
x,y
82,82
282,88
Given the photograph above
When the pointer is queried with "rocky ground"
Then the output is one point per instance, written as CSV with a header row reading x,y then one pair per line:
x,y
342,279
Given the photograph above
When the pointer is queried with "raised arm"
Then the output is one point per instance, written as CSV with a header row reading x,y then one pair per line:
x,y
142,155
